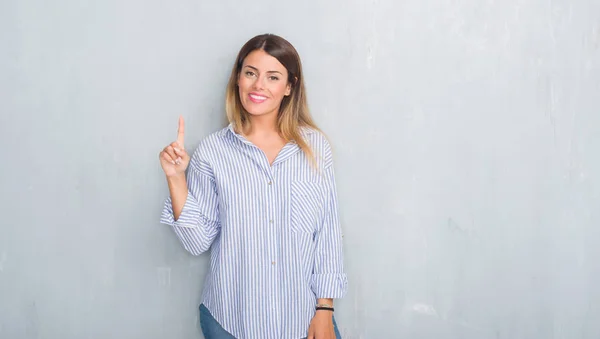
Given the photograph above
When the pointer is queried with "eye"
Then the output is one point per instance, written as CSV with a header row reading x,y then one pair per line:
x,y
274,78
249,73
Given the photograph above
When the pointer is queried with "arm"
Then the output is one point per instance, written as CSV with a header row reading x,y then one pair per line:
x,y
329,280
178,192
192,207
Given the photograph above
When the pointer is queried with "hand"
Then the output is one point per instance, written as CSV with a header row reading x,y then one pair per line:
x,y
173,158
321,326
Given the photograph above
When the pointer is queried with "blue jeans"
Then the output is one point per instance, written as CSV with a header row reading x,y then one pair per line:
x,y
212,330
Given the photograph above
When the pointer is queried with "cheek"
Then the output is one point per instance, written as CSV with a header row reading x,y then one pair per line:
x,y
279,90
243,84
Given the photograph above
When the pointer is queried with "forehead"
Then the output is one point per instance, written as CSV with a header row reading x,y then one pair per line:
x,y
263,61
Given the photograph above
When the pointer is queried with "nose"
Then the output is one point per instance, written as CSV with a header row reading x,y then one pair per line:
x,y
258,83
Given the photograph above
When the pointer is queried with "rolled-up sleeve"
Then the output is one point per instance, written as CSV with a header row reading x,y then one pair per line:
x,y
329,279
198,224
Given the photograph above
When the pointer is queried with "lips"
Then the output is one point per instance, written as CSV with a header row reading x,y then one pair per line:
x,y
256,98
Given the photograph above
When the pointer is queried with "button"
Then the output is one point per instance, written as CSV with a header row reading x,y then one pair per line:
x,y
272,263
270,182
271,221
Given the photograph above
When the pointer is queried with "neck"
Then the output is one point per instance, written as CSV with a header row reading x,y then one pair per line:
x,y
263,125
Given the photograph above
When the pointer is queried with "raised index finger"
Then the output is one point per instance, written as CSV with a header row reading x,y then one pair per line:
x,y
180,132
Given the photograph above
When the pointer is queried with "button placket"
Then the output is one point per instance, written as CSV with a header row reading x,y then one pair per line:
x,y
271,224
273,245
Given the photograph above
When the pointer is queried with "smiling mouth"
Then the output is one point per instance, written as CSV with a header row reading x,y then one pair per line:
x,y
257,98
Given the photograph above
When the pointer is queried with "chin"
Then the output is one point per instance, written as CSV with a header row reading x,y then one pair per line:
x,y
257,111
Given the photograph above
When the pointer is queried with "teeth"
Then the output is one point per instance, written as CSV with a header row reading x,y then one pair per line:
x,y
257,97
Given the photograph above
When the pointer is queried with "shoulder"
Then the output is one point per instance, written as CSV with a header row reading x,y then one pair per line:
x,y
209,147
319,143
211,143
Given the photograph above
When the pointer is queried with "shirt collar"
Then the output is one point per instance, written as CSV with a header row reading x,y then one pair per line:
x,y
304,132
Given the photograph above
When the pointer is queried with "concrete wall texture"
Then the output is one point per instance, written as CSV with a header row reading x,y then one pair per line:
x,y
467,146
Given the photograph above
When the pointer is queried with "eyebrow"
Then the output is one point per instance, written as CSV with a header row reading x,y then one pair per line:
x,y
256,69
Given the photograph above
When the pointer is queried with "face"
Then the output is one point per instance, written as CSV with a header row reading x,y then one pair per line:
x,y
262,84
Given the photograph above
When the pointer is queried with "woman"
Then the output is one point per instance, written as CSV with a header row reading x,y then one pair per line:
x,y
261,195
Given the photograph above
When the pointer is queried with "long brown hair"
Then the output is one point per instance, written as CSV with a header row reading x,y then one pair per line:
x,y
293,112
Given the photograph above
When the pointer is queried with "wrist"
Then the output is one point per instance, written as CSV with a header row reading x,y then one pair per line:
x,y
328,301
176,178
324,308
323,315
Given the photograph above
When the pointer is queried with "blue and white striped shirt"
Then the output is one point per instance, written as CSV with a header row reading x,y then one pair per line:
x,y
273,231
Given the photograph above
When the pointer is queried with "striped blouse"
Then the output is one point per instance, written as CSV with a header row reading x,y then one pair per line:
x,y
273,231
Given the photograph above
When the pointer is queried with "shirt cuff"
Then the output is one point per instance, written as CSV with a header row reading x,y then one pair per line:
x,y
189,217
329,285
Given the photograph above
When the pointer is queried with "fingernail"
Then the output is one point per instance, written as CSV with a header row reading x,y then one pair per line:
x,y
173,162
176,149
178,161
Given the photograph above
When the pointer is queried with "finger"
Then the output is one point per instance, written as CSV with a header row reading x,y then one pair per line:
x,y
169,150
167,157
180,132
179,158
178,149
179,154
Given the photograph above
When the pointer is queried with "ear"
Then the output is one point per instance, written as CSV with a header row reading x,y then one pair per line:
x,y
288,89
